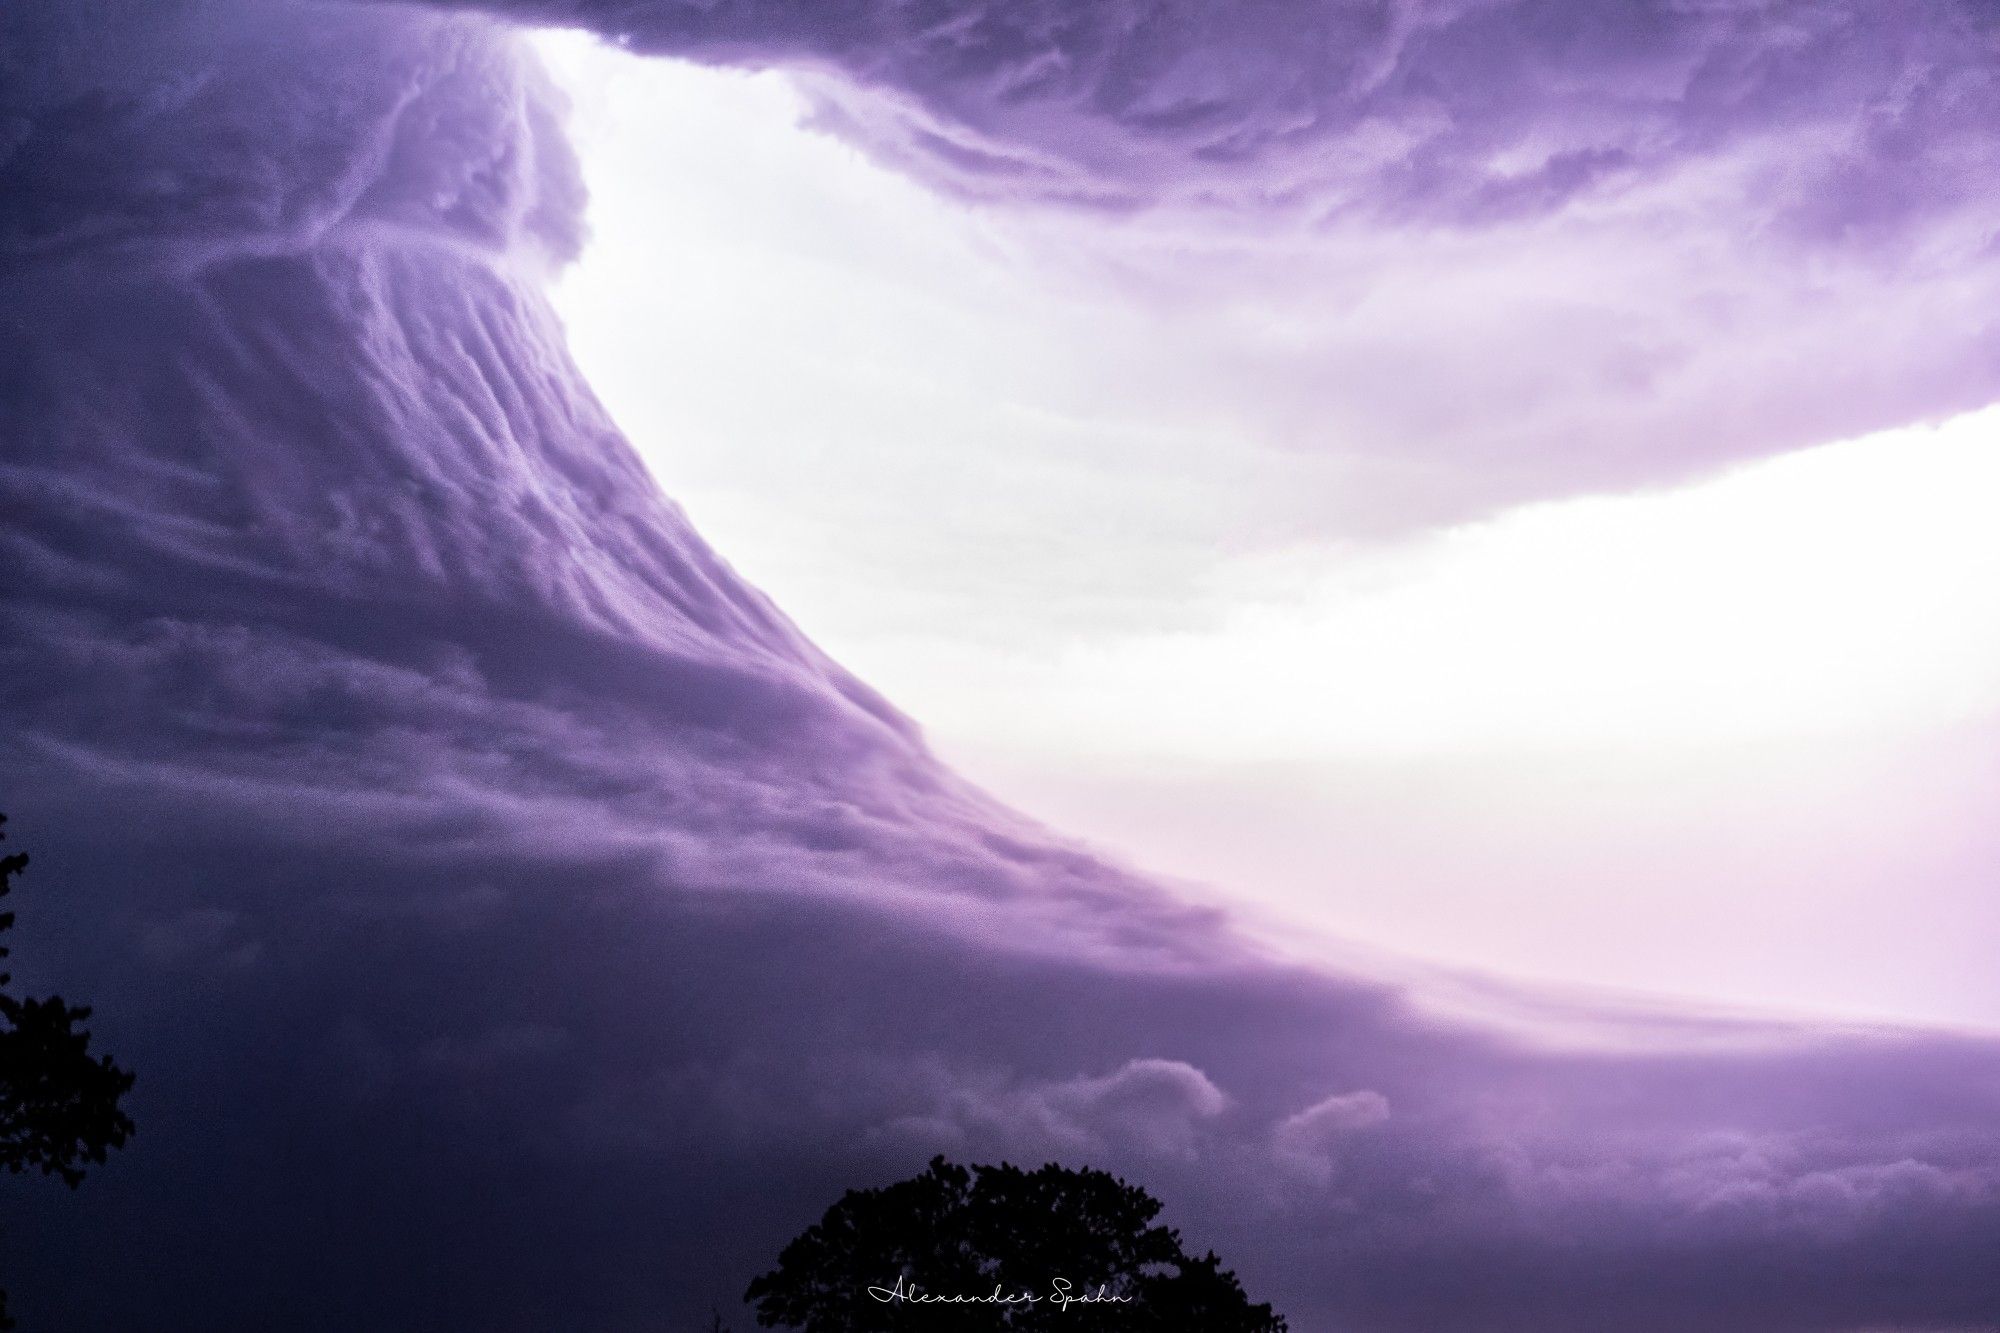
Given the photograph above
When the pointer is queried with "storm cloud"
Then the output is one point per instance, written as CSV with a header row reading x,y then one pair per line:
x,y
1470,253
1456,111
517,924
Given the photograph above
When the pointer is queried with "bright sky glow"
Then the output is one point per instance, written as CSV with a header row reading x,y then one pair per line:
x,y
1707,737
1845,589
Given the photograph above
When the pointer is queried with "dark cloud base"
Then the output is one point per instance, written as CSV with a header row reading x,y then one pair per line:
x,y
516,924
495,1094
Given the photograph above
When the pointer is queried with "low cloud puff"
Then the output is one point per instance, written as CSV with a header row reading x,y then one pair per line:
x,y
1147,1106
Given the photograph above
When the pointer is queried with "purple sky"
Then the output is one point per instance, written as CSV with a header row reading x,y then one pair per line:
x,y
517,923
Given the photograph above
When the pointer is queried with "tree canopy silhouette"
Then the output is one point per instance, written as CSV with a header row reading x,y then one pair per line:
x,y
59,1105
1001,1248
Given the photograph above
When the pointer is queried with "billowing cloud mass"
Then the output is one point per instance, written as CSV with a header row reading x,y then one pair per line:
x,y
515,924
1452,111
1468,252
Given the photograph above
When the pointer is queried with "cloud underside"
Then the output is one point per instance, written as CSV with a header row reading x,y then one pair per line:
x,y
511,916
1475,252
1452,112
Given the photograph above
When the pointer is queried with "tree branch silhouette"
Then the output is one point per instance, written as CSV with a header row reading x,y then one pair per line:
x,y
963,1248
59,1105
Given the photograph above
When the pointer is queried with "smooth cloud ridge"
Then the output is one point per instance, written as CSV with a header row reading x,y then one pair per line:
x,y
512,917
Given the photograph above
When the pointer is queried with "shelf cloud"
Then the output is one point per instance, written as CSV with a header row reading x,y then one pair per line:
x,y
513,918
1479,252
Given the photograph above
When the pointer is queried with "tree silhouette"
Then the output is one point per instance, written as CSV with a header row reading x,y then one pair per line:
x,y
58,1105
992,1237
